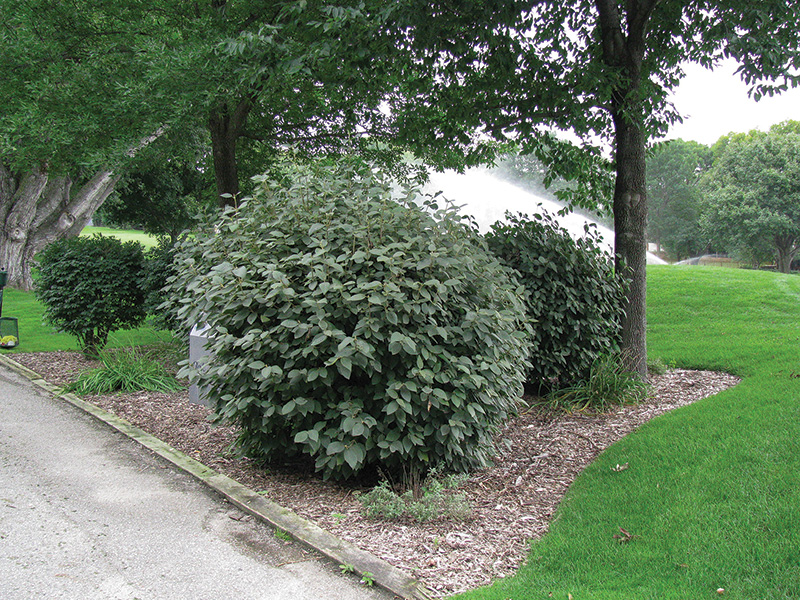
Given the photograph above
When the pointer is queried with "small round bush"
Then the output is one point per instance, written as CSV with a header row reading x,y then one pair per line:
x,y
354,328
91,286
574,297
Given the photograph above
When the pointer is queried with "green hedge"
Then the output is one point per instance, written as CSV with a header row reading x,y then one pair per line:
x,y
91,287
159,267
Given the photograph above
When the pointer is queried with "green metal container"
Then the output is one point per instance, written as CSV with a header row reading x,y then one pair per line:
x,y
9,332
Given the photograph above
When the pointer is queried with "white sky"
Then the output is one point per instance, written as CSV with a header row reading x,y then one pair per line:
x,y
716,103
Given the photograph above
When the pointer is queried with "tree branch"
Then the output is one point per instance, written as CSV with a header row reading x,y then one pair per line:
x,y
612,38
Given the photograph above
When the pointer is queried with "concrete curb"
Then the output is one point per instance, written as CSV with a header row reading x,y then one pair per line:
x,y
313,536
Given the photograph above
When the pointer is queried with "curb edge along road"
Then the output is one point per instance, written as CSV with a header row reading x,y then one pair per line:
x,y
342,552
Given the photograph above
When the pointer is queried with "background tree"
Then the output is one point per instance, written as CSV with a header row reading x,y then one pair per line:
x,y
674,197
308,75
595,68
753,205
159,197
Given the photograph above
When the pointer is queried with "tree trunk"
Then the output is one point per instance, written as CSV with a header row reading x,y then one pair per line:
x,y
226,128
630,243
786,251
624,53
36,209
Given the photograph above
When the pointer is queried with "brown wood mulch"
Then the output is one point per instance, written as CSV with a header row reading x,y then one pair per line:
x,y
512,502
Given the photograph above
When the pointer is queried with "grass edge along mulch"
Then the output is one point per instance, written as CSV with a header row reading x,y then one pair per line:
x,y
709,499
707,507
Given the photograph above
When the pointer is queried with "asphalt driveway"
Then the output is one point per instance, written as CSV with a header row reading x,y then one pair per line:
x,y
86,513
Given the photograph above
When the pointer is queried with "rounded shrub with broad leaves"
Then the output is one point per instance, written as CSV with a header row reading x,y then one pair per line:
x,y
574,296
352,327
91,286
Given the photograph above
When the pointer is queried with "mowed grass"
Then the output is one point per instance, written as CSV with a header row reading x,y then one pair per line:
x,y
712,492
37,336
126,235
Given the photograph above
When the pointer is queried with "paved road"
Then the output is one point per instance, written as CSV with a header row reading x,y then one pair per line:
x,y
86,513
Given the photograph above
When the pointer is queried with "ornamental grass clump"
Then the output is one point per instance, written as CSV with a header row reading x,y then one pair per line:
x,y
354,328
125,370
608,384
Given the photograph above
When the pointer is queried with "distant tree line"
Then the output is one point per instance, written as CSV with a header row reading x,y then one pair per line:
x,y
740,196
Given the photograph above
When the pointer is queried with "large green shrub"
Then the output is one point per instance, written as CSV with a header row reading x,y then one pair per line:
x,y
90,286
353,328
574,296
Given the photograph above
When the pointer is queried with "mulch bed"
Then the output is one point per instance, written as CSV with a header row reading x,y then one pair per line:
x,y
512,502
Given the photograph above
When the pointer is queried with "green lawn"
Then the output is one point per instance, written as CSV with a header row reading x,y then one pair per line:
x,y
126,235
35,336
713,489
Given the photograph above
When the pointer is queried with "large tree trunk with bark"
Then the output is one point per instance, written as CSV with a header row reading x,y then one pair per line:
x,y
623,50
226,127
786,251
36,209
630,242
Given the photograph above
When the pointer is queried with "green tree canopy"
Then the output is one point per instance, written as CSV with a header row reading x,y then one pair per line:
x,y
88,85
753,207
674,197
258,77
75,89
